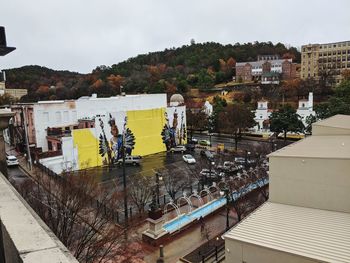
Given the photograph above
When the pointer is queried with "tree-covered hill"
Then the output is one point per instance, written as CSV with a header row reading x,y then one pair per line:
x,y
172,70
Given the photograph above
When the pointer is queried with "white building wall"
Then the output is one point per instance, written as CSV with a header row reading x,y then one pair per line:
x,y
261,114
238,252
305,109
208,108
52,114
92,106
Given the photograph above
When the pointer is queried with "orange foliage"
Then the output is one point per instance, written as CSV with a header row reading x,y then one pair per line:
x,y
231,62
97,84
43,89
170,88
115,81
288,56
346,74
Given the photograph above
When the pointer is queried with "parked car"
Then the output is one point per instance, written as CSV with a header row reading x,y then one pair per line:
x,y
209,174
193,141
188,158
208,154
190,147
131,159
204,143
11,160
179,148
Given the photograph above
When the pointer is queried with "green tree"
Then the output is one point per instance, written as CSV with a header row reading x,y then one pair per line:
x,y
286,120
234,119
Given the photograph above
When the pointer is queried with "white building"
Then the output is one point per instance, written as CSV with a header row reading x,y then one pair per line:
x,y
305,108
50,114
208,108
262,115
90,107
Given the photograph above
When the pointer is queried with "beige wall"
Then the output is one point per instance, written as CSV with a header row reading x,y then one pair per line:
x,y
310,182
327,130
238,252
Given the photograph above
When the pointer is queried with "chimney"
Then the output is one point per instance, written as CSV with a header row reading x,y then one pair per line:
x,y
93,95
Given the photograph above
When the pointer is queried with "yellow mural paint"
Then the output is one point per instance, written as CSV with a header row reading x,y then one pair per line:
x,y
87,144
147,126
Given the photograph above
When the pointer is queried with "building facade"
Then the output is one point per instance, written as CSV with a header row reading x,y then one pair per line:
x,y
88,132
317,59
257,70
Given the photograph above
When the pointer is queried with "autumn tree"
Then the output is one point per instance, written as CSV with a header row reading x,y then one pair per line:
x,y
196,121
235,119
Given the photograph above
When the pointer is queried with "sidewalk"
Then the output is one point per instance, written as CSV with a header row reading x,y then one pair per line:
x,y
190,239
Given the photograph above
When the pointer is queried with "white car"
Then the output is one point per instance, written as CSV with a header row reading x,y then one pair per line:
x,y
179,148
188,158
11,160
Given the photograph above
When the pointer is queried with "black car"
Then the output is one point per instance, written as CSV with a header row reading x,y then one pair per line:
x,y
190,147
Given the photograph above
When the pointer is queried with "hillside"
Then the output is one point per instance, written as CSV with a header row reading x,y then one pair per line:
x,y
172,70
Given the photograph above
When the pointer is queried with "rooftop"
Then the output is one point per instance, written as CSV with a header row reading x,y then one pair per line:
x,y
337,121
330,147
312,233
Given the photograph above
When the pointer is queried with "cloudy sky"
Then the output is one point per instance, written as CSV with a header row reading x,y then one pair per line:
x,y
79,35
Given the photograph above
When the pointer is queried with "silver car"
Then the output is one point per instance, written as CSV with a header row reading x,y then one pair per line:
x,y
131,159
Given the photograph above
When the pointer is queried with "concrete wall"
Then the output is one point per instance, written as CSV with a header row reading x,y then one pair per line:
x,y
310,182
25,238
327,130
238,252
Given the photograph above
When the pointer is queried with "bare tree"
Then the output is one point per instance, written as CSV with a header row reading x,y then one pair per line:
x,y
174,180
80,215
140,190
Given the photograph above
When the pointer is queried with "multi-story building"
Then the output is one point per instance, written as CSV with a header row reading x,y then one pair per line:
x,y
317,59
267,71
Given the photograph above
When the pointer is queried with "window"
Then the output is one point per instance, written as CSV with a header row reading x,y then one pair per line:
x,y
74,116
46,116
49,144
65,116
58,117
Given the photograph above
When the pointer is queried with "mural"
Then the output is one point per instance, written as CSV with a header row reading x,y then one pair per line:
x,y
113,149
174,134
102,144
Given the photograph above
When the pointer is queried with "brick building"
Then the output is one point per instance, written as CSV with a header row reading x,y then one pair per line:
x,y
254,71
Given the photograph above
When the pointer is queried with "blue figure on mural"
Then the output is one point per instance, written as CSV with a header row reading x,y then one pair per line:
x,y
114,148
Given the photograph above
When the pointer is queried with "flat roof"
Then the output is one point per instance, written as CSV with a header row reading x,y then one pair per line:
x,y
312,233
331,147
337,121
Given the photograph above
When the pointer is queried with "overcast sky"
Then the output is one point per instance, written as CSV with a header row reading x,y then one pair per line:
x,y
78,35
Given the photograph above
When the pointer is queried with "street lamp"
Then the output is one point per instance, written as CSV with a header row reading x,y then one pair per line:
x,y
226,193
159,177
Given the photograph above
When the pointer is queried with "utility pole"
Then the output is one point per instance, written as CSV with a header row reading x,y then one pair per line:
x,y
124,177
26,136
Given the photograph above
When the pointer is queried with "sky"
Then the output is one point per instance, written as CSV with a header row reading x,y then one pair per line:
x,y
79,35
